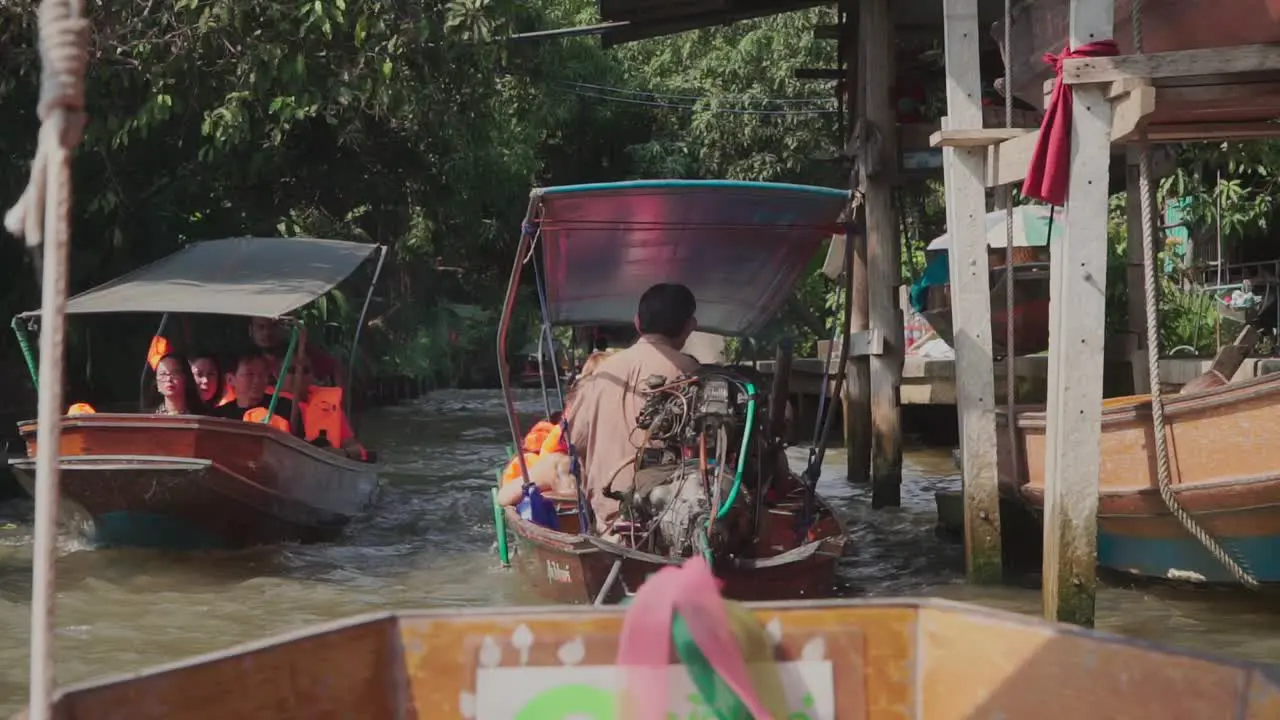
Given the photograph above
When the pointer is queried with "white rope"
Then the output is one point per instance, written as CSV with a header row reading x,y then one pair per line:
x,y
1010,355
42,217
1236,567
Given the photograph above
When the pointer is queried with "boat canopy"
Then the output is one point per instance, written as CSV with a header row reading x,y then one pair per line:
x,y
264,277
741,247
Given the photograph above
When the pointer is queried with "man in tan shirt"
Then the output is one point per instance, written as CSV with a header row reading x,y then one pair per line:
x,y
602,415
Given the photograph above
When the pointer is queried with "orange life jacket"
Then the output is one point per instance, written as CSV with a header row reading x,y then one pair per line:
x,y
159,348
554,443
543,439
81,409
323,411
258,415
538,435
228,396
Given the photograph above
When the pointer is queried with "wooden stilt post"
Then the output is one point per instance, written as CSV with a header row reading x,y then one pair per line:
x,y
963,169
1077,300
879,166
1136,332
856,402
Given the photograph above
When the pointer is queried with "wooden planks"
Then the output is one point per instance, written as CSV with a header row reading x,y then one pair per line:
x,y
1077,331
884,251
856,403
1176,64
963,170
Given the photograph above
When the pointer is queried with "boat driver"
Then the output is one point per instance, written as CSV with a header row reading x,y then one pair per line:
x,y
602,415
269,337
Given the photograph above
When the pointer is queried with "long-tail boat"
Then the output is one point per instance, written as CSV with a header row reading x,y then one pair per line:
x,y
881,659
188,481
1225,472
741,248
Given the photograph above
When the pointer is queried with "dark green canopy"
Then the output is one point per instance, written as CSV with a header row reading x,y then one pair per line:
x,y
264,277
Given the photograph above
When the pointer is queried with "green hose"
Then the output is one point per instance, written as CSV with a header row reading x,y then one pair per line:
x,y
27,355
500,526
742,453
285,364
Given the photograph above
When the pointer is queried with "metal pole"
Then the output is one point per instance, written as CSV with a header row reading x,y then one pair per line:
x,y
142,381
504,327
355,340
284,371
25,344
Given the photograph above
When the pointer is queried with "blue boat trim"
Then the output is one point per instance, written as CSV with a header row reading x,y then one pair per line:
x,y
1156,557
150,530
691,184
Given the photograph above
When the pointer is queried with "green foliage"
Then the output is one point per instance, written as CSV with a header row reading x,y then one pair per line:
x,y
413,125
1234,181
741,66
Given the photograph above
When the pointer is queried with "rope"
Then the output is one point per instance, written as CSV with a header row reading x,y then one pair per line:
x,y
1235,566
42,218
1010,355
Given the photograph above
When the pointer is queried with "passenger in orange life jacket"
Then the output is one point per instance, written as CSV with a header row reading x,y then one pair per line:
x,y
248,379
327,424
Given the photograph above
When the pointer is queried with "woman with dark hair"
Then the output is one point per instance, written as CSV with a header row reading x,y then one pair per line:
x,y
209,379
178,392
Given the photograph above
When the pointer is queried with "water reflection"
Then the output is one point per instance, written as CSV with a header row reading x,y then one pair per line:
x,y
429,544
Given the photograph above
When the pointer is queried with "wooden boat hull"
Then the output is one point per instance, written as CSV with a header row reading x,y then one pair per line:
x,y
188,482
876,659
1225,467
571,568
1030,311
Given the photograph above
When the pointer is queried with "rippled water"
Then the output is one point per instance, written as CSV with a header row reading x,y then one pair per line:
x,y
429,542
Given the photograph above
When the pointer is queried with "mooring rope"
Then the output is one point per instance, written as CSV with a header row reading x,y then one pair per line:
x,y
1235,566
42,217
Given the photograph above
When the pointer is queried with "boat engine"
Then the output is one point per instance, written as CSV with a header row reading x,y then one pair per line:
x,y
695,428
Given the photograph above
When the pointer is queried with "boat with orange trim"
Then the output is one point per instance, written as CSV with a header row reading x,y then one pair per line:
x,y
189,481
877,659
1225,472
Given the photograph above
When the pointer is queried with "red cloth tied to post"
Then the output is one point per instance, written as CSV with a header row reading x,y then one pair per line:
x,y
1050,168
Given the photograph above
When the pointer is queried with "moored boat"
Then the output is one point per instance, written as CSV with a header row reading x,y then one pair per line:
x,y
190,481
881,659
740,248
1035,229
1225,472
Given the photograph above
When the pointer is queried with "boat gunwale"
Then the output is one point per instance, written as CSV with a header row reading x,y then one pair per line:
x,y
582,544
1174,405
394,618
1035,495
124,462
200,423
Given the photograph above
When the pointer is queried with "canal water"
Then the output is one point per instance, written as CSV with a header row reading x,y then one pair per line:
x,y
429,544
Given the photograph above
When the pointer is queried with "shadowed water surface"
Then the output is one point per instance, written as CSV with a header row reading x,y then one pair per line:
x,y
429,543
